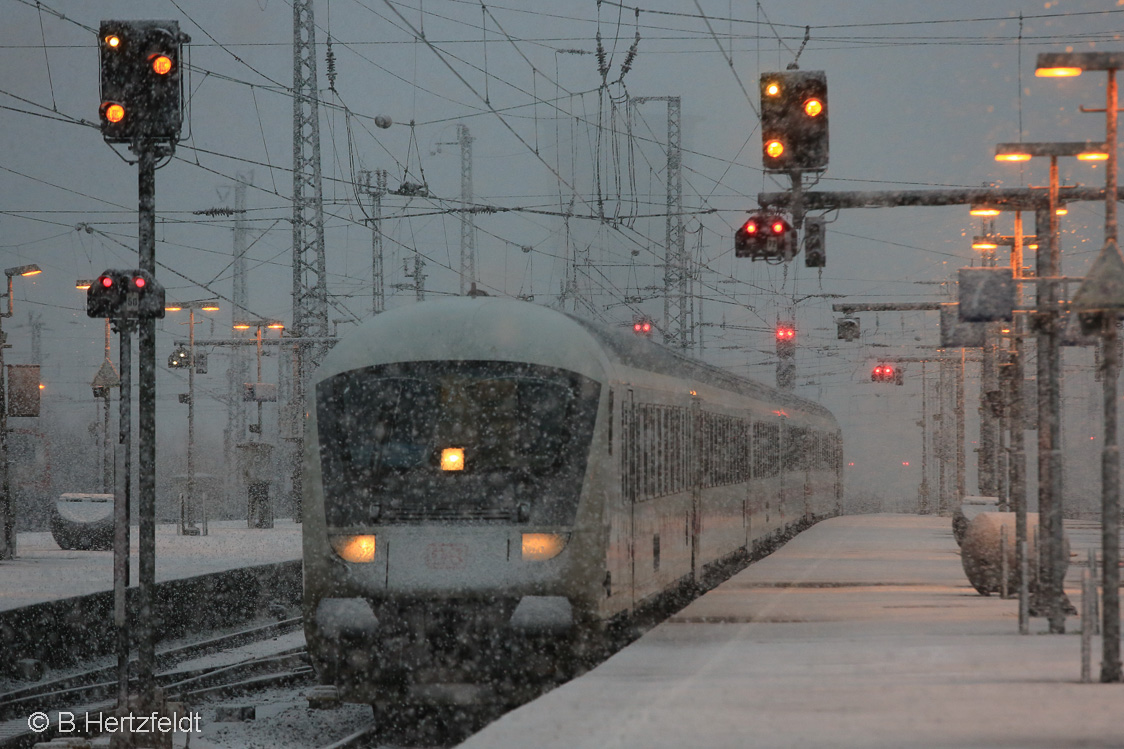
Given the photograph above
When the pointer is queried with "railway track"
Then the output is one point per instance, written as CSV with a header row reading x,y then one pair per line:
x,y
95,690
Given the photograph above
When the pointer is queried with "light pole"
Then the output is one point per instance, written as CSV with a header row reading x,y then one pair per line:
x,y
1047,271
7,512
187,507
1054,65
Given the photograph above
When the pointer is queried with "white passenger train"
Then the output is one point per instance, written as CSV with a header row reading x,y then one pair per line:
x,y
490,482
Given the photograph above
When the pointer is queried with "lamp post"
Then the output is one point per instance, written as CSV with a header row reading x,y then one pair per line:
x,y
1048,267
7,512
187,506
1054,65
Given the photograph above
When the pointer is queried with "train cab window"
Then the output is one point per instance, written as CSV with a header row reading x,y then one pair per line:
x,y
382,431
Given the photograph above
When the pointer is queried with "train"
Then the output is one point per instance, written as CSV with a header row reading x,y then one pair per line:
x,y
490,485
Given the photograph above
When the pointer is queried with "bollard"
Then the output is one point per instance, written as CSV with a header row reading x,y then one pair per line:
x,y
1088,593
1024,592
1096,598
1005,571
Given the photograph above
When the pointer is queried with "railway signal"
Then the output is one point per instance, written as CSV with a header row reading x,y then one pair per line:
x,y
766,236
642,326
794,119
886,373
814,255
786,354
125,294
141,80
847,328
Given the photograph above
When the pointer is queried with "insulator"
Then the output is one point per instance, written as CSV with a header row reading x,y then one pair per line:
x,y
331,63
602,64
630,57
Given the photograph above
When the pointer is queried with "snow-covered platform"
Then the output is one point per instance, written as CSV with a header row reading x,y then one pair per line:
x,y
43,572
861,632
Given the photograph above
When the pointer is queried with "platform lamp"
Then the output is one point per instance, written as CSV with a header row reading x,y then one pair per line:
x,y
1063,65
7,511
1048,266
187,524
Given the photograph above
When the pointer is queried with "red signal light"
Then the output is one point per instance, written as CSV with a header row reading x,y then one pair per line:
x,y
637,327
647,327
751,227
106,282
778,227
139,282
889,371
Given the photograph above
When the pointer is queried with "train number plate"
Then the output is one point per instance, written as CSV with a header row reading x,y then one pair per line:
x,y
446,556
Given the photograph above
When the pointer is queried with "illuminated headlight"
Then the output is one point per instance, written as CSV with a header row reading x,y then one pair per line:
x,y
356,549
538,547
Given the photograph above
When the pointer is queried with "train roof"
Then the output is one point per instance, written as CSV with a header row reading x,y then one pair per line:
x,y
520,331
639,352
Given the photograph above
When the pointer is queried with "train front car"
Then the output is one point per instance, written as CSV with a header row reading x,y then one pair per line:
x,y
448,445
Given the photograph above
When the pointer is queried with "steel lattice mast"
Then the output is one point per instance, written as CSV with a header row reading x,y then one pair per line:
x,y
310,287
468,219
310,292
677,308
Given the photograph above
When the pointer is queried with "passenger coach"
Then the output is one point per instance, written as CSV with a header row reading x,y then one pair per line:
x,y
487,482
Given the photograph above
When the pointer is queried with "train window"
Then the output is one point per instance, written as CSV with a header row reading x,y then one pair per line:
x,y
382,429
766,447
795,449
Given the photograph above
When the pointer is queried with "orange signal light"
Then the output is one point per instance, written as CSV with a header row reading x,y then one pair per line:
x,y
161,64
774,149
113,41
115,113
813,107
772,89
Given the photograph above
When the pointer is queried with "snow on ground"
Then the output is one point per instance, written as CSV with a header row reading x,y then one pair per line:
x,y
44,572
282,721
861,632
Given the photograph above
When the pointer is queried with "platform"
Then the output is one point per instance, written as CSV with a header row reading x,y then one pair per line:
x,y
43,572
861,632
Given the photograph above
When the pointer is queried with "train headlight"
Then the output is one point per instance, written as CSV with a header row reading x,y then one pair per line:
x,y
356,549
538,547
452,459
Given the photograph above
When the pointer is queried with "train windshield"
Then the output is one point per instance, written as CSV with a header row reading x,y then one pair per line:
x,y
451,437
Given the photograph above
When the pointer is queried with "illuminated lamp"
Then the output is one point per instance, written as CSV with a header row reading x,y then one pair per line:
x,y
539,547
452,459
354,549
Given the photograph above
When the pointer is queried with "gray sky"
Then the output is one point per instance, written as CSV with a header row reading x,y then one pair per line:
x,y
919,94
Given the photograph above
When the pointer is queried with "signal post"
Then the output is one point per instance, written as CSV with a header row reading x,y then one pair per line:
x,y
141,108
